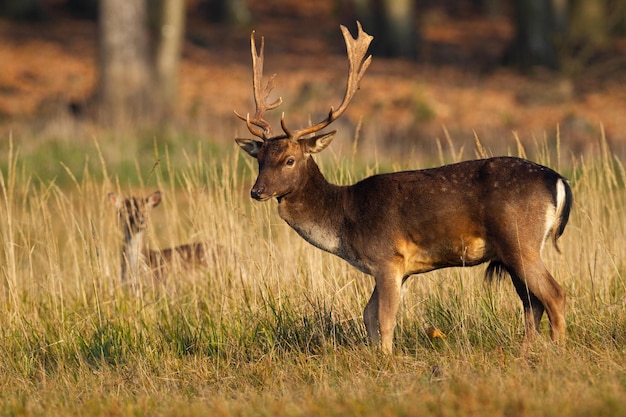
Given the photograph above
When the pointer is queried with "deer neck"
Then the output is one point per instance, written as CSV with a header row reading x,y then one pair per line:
x,y
315,210
134,254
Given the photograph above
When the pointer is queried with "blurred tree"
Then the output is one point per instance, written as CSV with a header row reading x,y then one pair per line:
x,y
588,22
533,44
86,9
22,9
392,23
168,50
492,7
400,35
124,91
227,11
138,73
552,33
591,23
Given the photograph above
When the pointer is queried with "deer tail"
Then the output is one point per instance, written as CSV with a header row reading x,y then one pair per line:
x,y
563,207
495,270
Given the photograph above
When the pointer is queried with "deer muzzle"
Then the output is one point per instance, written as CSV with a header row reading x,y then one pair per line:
x,y
259,193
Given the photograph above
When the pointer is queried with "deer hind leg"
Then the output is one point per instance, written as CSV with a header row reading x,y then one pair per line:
x,y
539,291
533,308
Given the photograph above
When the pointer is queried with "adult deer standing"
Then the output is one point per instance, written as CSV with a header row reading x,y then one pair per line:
x,y
391,226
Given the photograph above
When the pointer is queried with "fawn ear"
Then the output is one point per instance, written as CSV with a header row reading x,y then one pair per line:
x,y
153,199
317,144
251,146
114,199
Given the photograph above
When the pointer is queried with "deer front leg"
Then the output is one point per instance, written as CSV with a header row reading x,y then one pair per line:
x,y
381,311
370,317
389,294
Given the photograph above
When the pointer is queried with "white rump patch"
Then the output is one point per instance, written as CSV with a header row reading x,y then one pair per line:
x,y
560,196
554,212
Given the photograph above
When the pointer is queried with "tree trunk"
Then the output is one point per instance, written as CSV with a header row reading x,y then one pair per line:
x,y
366,14
400,33
22,10
168,47
234,12
589,25
392,23
237,12
535,28
125,76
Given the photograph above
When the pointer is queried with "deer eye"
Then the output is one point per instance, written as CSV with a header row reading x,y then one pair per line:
x,y
291,161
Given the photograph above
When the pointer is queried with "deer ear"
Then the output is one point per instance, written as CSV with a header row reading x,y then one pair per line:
x,y
154,199
252,147
114,199
317,144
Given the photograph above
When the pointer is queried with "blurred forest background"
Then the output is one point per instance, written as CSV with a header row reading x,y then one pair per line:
x,y
498,69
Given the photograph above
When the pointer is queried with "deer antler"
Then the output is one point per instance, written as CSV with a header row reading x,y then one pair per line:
x,y
356,48
260,95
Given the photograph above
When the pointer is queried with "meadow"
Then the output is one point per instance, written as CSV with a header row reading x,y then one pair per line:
x,y
273,326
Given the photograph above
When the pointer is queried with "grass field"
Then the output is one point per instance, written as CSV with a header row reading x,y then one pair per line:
x,y
274,327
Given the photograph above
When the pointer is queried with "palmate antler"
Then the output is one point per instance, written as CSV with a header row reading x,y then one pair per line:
x,y
356,48
358,64
260,95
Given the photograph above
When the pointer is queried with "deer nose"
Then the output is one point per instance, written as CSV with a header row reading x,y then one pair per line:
x,y
257,193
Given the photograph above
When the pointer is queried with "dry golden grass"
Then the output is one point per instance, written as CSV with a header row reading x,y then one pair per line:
x,y
274,327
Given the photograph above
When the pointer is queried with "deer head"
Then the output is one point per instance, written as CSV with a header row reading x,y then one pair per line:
x,y
284,158
133,211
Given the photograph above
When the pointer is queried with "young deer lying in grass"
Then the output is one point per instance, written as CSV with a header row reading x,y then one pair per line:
x,y
136,257
391,226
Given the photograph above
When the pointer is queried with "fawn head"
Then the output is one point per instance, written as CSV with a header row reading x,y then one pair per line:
x,y
133,211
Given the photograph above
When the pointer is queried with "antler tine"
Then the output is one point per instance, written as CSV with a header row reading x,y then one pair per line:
x,y
260,95
358,64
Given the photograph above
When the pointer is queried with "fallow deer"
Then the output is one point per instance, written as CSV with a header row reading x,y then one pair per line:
x,y
499,210
137,259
